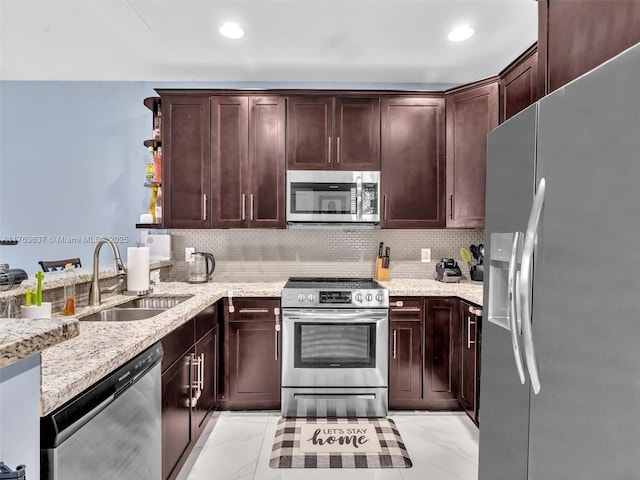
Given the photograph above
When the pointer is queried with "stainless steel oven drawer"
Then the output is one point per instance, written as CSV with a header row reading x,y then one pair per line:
x,y
334,402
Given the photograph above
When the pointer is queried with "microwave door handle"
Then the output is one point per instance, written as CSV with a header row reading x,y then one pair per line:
x,y
359,197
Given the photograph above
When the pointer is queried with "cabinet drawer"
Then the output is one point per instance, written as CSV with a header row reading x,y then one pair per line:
x,y
177,343
206,320
405,308
246,309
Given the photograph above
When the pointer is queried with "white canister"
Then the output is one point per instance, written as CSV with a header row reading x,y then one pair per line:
x,y
36,311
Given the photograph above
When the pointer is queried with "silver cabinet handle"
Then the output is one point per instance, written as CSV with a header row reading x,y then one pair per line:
x,y
384,207
201,372
406,309
276,313
469,323
251,206
399,303
359,197
204,206
451,206
338,150
512,291
394,343
253,310
526,275
244,207
231,307
329,151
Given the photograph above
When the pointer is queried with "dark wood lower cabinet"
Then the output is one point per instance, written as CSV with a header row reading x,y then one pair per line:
x,y
177,431
251,355
405,353
442,354
424,353
189,380
470,320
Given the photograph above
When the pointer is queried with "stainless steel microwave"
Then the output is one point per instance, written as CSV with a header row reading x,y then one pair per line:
x,y
333,198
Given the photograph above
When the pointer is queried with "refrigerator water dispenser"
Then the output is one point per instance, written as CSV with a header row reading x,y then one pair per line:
x,y
504,263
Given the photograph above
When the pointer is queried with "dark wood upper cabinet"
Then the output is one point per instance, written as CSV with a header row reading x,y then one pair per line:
x,y
186,174
248,161
229,159
357,134
575,37
266,180
413,162
471,114
333,133
519,84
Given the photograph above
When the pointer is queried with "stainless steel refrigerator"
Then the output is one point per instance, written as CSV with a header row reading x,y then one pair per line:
x,y
560,385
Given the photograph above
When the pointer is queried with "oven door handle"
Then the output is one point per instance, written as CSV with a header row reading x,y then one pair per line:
x,y
334,396
331,316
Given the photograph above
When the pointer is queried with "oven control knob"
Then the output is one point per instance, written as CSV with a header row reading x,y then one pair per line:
x,y
311,297
379,297
368,297
358,297
301,297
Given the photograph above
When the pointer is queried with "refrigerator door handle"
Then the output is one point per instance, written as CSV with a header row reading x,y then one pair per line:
x,y
526,275
513,311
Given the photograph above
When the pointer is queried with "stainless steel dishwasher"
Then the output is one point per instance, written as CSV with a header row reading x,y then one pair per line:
x,y
111,430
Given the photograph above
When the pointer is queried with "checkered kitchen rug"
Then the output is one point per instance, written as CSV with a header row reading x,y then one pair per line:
x,y
338,443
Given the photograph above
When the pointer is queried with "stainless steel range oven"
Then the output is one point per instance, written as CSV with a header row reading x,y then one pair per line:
x,y
335,354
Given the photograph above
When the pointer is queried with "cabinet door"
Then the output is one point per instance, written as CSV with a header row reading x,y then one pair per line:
x,y
441,353
519,85
471,115
357,134
177,428
412,163
206,377
575,37
252,344
229,157
468,353
309,133
405,351
186,174
267,169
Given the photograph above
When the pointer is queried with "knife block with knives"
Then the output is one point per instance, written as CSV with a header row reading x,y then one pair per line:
x,y
382,263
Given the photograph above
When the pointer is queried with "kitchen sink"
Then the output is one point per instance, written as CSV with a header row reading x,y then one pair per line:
x,y
123,314
136,309
154,302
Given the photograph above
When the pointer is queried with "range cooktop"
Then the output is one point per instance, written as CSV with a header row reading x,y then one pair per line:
x,y
334,292
333,282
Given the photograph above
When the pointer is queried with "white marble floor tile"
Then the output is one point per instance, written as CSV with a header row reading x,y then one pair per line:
x,y
442,446
233,447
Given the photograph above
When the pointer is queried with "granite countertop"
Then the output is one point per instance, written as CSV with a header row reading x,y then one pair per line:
x,y
22,337
101,347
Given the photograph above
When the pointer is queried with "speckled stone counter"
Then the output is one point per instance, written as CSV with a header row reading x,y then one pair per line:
x,y
101,347
21,337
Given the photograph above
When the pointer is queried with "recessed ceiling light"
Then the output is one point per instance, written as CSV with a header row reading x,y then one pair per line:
x,y
461,33
231,30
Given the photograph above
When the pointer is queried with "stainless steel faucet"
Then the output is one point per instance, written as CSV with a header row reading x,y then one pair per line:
x,y
94,289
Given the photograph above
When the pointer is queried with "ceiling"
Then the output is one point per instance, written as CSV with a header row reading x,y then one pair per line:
x,y
293,41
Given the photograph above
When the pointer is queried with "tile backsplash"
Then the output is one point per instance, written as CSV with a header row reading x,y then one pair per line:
x,y
266,254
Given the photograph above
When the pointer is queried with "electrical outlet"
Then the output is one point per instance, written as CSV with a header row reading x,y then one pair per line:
x,y
425,255
188,251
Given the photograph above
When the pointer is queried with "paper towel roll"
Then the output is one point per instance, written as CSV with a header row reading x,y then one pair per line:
x,y
138,269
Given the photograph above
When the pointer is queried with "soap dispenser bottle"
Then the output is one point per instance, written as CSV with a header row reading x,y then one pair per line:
x,y
69,290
